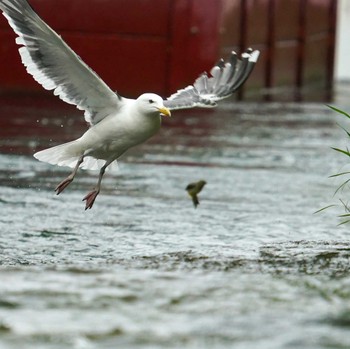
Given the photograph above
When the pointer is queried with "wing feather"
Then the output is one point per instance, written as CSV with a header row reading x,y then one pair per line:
x,y
55,66
225,79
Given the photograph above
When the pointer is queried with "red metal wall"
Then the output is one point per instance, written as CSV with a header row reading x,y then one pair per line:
x,y
297,42
122,40
162,45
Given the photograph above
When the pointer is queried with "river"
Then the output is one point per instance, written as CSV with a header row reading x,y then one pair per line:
x,y
251,268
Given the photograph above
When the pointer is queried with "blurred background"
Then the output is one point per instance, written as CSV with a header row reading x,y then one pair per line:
x,y
163,45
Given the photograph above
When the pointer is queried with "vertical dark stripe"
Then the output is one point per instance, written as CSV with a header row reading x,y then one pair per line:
x,y
270,49
243,26
170,29
332,20
299,82
243,29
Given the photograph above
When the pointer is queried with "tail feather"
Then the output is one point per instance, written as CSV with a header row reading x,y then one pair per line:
x,y
195,200
68,154
61,155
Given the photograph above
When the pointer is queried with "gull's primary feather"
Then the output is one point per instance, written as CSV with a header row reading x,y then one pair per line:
x,y
55,66
225,79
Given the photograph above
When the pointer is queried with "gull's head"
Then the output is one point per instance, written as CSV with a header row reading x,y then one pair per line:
x,y
150,103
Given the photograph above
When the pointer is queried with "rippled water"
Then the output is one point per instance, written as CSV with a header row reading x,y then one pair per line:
x,y
252,267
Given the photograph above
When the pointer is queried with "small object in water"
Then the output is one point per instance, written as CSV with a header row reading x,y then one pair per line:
x,y
193,189
116,123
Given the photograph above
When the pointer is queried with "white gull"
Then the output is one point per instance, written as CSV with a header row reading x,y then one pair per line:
x,y
116,123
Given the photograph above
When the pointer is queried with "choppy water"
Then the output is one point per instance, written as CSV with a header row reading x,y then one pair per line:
x,y
252,267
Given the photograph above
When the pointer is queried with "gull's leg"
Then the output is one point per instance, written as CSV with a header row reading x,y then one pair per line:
x,y
64,184
90,198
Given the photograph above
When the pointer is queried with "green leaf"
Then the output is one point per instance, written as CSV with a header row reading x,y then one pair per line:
x,y
339,174
344,215
347,132
338,110
324,208
345,222
345,205
341,186
346,152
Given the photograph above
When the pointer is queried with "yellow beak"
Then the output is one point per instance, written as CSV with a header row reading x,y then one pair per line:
x,y
165,111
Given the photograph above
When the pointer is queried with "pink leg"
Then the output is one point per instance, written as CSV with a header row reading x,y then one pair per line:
x,y
90,197
64,184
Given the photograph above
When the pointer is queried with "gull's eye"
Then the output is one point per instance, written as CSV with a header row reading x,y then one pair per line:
x,y
150,101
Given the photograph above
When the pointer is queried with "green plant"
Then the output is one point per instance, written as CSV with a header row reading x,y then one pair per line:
x,y
345,217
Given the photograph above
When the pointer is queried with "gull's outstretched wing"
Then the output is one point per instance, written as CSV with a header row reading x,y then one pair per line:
x,y
55,66
225,79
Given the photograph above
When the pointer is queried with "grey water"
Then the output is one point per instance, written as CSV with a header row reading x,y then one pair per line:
x,y
251,267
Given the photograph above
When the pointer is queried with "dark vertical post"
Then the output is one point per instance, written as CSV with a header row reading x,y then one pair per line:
x,y
270,49
169,53
332,20
243,28
243,25
299,82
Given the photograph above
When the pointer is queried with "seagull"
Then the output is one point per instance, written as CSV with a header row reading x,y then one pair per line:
x,y
116,123
194,189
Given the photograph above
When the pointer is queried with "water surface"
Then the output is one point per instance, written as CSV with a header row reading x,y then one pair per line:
x,y
252,267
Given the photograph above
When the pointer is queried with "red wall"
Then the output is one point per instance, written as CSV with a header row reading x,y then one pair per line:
x,y
163,45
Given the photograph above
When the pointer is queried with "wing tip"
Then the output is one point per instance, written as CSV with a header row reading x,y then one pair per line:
x,y
254,56
249,53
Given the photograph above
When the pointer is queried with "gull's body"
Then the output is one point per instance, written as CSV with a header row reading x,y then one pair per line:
x,y
114,135
116,123
110,138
